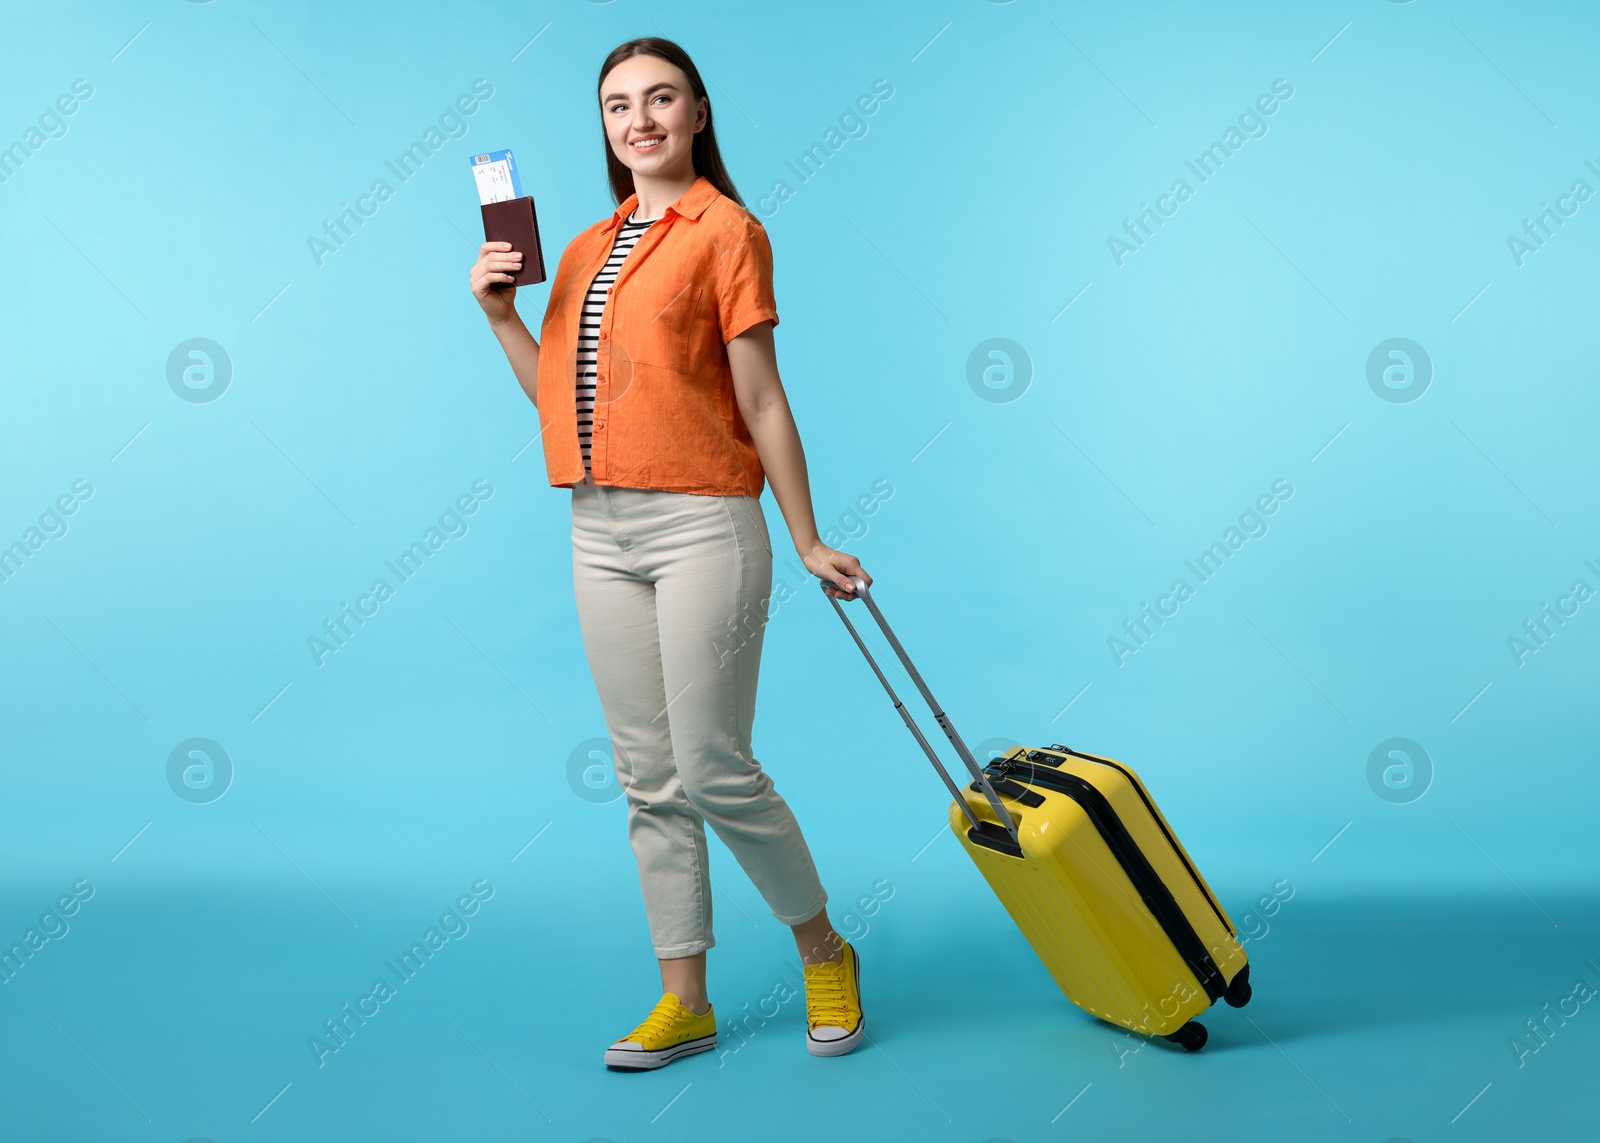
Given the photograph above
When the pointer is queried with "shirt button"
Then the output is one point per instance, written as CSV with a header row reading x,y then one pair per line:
x,y
599,424
603,335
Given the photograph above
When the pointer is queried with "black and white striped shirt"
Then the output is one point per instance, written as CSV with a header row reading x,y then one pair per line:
x,y
594,304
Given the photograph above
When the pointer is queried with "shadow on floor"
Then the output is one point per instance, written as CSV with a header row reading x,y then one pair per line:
x,y
1323,966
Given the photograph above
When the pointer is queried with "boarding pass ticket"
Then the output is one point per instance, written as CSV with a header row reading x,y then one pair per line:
x,y
496,174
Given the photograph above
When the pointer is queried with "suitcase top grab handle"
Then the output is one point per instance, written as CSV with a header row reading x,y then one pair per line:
x,y
938,713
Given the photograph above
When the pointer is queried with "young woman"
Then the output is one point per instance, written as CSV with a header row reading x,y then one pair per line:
x,y
657,388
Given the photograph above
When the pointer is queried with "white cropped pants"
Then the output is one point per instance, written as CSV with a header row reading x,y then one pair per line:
x,y
672,592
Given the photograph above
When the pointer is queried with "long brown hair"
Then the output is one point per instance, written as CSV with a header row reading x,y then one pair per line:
x,y
706,158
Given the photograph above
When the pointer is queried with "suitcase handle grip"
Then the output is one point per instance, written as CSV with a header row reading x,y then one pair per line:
x,y
982,779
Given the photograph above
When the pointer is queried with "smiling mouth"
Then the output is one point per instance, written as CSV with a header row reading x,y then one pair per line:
x,y
648,144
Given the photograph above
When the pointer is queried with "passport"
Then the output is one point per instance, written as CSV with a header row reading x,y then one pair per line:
x,y
508,214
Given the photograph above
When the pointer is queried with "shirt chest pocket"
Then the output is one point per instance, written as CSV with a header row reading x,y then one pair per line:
x,y
659,322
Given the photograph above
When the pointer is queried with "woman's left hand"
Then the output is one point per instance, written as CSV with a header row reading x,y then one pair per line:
x,y
832,566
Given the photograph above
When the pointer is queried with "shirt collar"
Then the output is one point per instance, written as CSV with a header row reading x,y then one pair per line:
x,y
691,204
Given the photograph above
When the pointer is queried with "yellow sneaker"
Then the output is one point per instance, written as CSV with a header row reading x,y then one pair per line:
x,y
670,1031
833,1005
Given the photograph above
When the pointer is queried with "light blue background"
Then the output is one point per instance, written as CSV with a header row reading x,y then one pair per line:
x,y
367,394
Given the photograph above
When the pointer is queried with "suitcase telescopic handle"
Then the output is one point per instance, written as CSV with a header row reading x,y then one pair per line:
x,y
933,704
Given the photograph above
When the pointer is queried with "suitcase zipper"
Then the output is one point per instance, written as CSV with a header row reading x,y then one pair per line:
x,y
1156,896
1156,817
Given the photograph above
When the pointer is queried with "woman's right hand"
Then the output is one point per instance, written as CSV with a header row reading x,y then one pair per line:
x,y
496,262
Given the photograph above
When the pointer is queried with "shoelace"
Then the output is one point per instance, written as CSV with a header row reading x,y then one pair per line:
x,y
661,1017
825,999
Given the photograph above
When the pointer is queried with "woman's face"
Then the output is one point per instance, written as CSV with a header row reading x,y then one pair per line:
x,y
651,116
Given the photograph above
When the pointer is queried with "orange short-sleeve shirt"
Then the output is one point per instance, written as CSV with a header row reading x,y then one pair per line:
x,y
666,416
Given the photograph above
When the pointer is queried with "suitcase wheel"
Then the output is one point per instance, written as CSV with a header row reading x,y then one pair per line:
x,y
1191,1037
1238,994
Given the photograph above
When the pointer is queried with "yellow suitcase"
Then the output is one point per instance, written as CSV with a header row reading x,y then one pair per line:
x,y
1090,871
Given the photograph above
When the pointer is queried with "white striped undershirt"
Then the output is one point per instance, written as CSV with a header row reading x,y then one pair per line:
x,y
594,304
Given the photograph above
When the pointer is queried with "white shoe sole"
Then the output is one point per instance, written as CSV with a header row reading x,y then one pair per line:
x,y
840,1046
633,1060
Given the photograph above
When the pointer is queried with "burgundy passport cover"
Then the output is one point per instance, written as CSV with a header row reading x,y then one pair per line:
x,y
513,221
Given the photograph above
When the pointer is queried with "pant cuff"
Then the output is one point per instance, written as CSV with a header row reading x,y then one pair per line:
x,y
804,917
673,952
